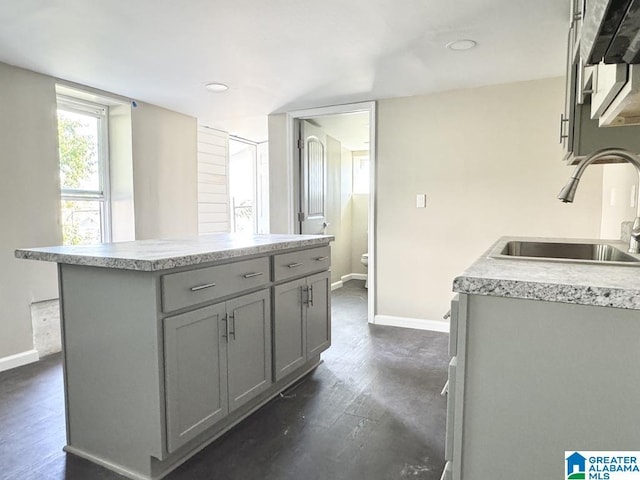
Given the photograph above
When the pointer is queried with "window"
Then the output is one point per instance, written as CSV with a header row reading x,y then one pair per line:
x,y
360,171
242,186
84,179
248,185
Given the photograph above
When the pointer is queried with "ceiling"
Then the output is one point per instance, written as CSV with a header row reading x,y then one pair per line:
x,y
281,55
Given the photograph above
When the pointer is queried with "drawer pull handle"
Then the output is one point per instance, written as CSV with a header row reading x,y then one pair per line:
x,y
251,275
322,259
294,265
202,287
445,389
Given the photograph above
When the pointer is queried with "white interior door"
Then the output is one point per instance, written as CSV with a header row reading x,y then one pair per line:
x,y
313,180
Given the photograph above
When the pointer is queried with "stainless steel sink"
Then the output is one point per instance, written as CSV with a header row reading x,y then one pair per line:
x,y
589,252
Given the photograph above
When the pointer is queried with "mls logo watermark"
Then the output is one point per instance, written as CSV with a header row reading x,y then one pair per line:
x,y
596,465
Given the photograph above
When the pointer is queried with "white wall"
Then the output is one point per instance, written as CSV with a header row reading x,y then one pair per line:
x,y
359,231
164,173
280,179
163,151
338,215
489,162
123,225
619,198
29,194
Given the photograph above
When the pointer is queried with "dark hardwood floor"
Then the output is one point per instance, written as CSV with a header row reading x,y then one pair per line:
x,y
371,411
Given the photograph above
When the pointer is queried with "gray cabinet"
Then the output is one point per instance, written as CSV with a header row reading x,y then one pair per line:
x,y
289,327
217,358
454,388
195,373
301,321
248,347
539,377
318,314
160,363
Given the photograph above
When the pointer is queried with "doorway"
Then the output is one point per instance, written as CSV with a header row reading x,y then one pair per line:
x,y
333,180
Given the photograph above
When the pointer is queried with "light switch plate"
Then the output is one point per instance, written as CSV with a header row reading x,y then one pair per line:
x,y
421,200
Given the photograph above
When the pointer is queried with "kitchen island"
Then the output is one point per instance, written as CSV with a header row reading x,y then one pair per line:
x,y
168,344
546,359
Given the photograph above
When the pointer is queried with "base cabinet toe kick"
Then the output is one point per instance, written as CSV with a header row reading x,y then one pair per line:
x,y
159,364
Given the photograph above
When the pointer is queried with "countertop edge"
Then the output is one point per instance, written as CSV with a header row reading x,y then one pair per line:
x,y
170,262
580,283
549,292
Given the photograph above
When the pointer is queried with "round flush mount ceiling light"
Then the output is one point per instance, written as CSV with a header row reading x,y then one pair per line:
x,y
459,45
216,87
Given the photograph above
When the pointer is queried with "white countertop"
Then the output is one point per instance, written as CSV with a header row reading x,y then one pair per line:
x,y
554,281
153,255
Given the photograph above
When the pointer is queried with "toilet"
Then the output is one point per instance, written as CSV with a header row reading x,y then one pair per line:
x,y
364,259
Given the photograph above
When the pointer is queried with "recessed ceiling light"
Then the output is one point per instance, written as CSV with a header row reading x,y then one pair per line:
x,y
216,87
461,44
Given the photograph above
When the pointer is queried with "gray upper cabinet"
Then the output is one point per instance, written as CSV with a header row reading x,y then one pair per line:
x,y
249,347
581,132
195,373
577,21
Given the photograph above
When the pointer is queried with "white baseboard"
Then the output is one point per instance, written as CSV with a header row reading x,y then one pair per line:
x,y
19,359
345,278
416,323
353,276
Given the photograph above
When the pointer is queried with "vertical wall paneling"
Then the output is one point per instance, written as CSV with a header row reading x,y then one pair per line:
x,y
213,180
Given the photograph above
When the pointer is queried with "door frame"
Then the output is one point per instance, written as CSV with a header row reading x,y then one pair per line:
x,y
293,174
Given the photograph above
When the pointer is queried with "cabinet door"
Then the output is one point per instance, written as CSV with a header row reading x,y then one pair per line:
x,y
318,314
249,347
567,119
195,373
289,327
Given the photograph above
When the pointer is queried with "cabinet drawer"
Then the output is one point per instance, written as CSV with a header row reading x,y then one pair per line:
x,y
188,288
303,262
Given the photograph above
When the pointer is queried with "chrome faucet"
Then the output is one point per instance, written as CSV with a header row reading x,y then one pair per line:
x,y
569,190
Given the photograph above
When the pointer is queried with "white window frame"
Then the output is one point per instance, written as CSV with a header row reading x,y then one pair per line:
x,y
101,113
254,208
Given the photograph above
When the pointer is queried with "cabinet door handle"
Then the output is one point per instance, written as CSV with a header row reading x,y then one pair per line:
x,y
304,294
562,122
225,335
311,295
294,265
232,330
322,259
251,275
202,287
447,315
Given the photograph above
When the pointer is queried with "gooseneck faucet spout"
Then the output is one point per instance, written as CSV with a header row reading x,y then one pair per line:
x,y
569,190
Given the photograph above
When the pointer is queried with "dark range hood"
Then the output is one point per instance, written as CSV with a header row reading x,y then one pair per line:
x,y
611,32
